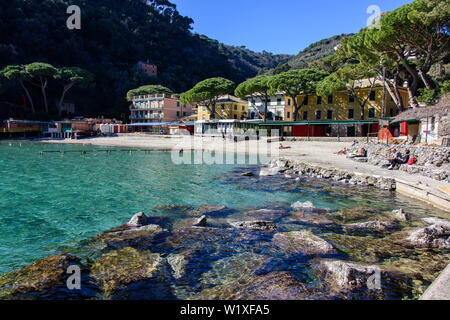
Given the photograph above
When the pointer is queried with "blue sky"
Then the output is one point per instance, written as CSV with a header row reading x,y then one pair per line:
x,y
279,26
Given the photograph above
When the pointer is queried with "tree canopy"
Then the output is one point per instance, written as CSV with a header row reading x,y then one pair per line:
x,y
258,87
148,89
296,82
207,92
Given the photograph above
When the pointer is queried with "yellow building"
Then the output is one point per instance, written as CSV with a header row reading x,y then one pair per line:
x,y
340,114
342,107
227,108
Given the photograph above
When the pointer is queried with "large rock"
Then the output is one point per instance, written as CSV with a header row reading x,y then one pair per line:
x,y
273,286
355,214
44,279
131,274
254,225
434,236
302,242
310,218
342,275
138,220
268,172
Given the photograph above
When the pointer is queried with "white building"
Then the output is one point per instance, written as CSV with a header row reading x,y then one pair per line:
x,y
275,107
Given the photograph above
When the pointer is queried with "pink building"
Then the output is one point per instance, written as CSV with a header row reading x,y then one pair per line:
x,y
158,108
150,69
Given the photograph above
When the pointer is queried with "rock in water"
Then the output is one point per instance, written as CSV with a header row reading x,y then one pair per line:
x,y
254,225
124,236
434,236
342,275
200,222
132,275
401,215
44,279
138,220
307,207
268,172
302,242
373,226
267,214
247,174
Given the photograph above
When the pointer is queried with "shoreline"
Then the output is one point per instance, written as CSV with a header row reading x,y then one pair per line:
x,y
316,154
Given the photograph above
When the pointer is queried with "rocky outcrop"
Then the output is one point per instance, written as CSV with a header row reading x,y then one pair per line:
x,y
401,215
302,242
254,225
200,222
44,279
131,274
434,236
297,168
138,220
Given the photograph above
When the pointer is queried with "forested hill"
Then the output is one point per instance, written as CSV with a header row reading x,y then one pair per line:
x,y
114,36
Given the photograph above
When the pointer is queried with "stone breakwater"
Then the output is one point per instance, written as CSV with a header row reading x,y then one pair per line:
x,y
432,162
297,169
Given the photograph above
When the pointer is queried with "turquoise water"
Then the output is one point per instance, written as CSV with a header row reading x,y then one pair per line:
x,y
52,200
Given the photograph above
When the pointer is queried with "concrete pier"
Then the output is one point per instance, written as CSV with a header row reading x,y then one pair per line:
x,y
440,288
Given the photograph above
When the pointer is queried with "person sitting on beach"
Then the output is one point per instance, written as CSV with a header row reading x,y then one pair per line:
x,y
398,159
283,147
342,152
361,154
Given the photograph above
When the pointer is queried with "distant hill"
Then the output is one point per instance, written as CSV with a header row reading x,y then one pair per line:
x,y
313,52
316,51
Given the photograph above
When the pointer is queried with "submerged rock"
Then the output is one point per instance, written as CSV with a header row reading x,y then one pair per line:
x,y
342,275
307,207
434,236
273,286
302,242
247,174
401,215
254,225
44,279
373,226
355,214
268,172
310,218
131,274
125,236
267,214
206,210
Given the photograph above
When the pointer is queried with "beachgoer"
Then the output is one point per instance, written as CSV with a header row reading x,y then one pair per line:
x,y
398,159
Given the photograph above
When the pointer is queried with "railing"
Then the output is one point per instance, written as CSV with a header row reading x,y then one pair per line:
x,y
156,96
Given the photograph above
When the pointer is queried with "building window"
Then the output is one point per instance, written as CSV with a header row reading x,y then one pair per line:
x,y
235,116
288,115
306,100
204,108
351,113
330,114
372,96
223,107
318,115
269,101
178,104
204,117
351,98
305,115
330,99
371,112
235,107
184,114
279,102
289,102
178,113
319,100
243,108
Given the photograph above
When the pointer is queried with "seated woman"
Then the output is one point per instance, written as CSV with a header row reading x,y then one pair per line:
x,y
361,154
283,147
399,159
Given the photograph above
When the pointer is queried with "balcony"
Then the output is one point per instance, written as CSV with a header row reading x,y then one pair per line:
x,y
147,117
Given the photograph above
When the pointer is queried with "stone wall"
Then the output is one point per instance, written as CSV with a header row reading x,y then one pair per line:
x,y
432,162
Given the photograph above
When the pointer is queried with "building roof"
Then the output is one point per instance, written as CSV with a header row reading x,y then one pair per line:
x,y
440,109
230,98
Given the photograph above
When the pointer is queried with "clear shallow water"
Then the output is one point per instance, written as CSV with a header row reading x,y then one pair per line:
x,y
52,201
